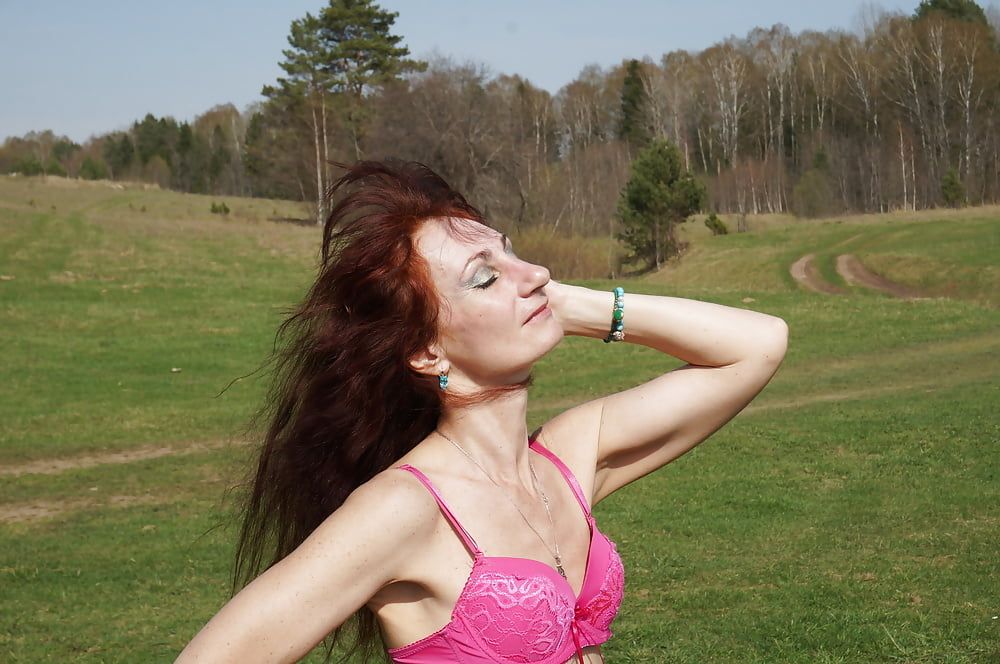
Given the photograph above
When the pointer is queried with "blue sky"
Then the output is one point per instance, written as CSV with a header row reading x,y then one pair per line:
x,y
83,68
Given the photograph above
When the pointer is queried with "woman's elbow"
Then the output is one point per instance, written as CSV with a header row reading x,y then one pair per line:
x,y
777,341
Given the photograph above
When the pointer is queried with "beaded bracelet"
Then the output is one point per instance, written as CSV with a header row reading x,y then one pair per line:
x,y
617,332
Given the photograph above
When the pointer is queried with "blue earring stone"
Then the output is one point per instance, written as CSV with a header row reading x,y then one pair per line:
x,y
443,381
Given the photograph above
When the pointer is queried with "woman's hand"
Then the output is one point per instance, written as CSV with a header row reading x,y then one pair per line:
x,y
557,294
580,311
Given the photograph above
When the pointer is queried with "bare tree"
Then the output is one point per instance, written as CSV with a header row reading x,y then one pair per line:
x,y
863,80
727,68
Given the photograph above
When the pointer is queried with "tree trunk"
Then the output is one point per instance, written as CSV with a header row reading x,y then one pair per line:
x,y
656,244
902,159
326,145
320,185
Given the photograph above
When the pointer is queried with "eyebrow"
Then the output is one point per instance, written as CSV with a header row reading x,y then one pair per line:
x,y
485,253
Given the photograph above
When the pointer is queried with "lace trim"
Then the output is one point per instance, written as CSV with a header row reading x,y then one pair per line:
x,y
518,619
602,609
526,619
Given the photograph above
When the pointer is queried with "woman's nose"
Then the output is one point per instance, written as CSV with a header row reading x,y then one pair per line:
x,y
535,277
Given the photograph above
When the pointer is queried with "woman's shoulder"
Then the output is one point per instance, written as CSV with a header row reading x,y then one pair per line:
x,y
571,435
396,491
573,443
392,501
396,504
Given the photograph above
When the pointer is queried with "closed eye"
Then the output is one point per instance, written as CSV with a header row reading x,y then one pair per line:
x,y
488,282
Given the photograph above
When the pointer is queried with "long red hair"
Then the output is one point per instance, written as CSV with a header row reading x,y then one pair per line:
x,y
344,404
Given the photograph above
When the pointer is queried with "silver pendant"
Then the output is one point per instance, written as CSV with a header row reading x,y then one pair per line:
x,y
562,572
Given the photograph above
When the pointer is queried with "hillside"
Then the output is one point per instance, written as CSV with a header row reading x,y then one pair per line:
x,y
848,514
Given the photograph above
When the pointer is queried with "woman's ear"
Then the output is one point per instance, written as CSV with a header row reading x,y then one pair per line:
x,y
430,361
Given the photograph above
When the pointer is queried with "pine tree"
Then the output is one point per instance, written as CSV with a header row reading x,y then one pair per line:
x,y
307,82
155,137
952,190
362,53
659,195
632,126
961,10
92,169
333,59
118,153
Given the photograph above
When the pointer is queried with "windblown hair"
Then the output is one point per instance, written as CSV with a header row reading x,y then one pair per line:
x,y
344,404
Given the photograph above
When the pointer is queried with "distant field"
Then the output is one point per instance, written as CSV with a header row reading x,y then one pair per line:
x,y
940,253
848,515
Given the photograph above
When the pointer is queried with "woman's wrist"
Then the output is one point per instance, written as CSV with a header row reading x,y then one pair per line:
x,y
581,311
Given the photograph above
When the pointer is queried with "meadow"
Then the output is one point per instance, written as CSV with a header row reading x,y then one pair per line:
x,y
849,514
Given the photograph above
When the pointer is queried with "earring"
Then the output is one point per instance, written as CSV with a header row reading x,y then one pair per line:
x,y
443,380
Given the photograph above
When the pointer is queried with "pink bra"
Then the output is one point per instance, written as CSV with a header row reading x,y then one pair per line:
x,y
520,610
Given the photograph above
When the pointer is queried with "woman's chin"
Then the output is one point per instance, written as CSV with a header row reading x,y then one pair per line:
x,y
555,338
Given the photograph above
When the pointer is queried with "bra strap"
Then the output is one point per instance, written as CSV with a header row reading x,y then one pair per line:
x,y
462,532
566,472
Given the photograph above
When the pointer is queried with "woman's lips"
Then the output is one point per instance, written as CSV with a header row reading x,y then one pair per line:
x,y
539,312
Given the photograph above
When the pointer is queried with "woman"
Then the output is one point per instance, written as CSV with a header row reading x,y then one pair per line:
x,y
398,483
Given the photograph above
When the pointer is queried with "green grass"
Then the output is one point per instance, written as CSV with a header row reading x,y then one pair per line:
x,y
848,515
948,253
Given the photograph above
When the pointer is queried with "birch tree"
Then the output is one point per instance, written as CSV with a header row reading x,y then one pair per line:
x,y
727,70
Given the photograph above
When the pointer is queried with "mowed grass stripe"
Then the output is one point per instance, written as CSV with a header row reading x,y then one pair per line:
x,y
62,464
203,471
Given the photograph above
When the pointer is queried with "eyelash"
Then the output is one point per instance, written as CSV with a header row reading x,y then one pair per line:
x,y
489,282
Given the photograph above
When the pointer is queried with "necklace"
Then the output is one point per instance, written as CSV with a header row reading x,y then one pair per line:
x,y
538,487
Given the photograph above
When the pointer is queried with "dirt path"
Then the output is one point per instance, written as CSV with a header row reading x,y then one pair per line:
x,y
855,273
56,465
805,272
46,509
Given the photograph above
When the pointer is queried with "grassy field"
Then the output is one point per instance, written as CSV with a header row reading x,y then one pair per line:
x,y
848,515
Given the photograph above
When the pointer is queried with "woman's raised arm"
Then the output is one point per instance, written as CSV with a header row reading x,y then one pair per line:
x,y
731,354
283,613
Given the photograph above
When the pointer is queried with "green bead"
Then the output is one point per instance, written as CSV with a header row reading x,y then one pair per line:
x,y
619,314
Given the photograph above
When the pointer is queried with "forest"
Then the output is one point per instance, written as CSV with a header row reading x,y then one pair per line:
x,y
900,113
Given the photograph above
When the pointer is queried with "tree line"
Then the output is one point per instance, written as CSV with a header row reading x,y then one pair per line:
x,y
901,114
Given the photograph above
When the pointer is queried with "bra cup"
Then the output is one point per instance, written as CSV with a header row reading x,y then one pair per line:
x,y
600,611
517,618
519,611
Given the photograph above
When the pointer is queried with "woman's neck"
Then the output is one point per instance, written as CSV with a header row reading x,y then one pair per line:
x,y
495,434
